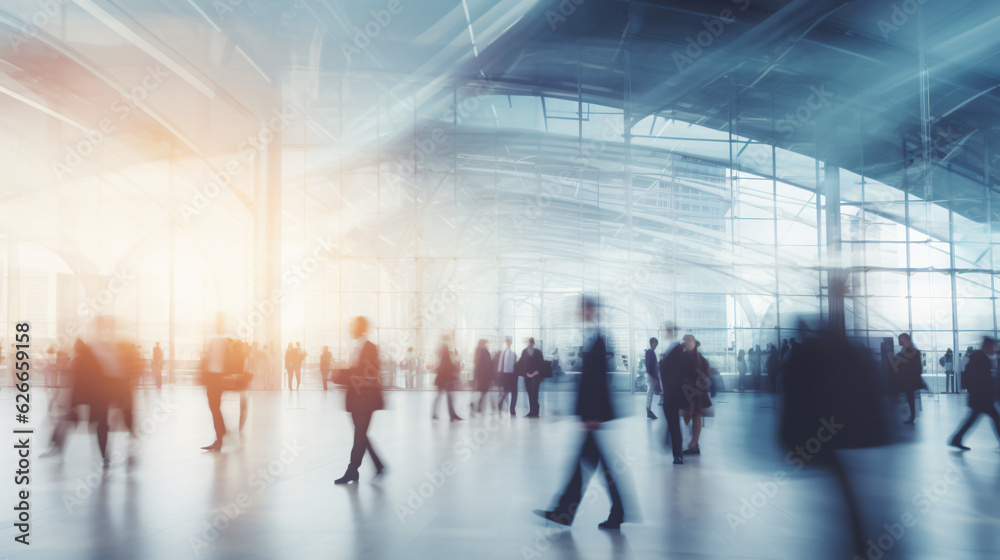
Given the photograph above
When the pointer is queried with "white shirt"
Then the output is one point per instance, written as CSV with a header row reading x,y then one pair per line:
x,y
506,362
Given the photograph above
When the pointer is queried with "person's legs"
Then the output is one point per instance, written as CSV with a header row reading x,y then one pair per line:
x,y
291,373
361,421
911,401
617,514
324,374
674,430
533,386
966,426
449,396
513,392
995,416
298,376
215,406
569,501
244,407
695,430
437,399
650,391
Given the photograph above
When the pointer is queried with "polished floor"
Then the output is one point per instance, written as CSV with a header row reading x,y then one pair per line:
x,y
466,490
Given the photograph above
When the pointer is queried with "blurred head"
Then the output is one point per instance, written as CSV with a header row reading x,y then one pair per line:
x,y
531,342
359,326
588,309
326,348
904,340
689,343
410,349
989,345
289,344
509,340
653,343
481,343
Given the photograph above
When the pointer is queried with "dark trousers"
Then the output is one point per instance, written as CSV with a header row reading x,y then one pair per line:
x,y
442,392
509,383
911,401
324,373
673,416
533,385
361,442
158,375
949,383
297,373
586,465
215,406
974,417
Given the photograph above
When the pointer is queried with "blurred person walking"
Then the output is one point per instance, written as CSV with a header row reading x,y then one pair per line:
x,y
593,406
297,359
907,369
978,380
363,397
652,377
447,377
696,391
507,376
482,373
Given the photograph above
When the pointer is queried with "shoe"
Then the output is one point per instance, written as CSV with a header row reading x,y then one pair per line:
x,y
958,444
650,415
695,451
678,460
435,417
532,416
909,422
379,474
217,446
455,419
610,525
513,414
348,478
557,518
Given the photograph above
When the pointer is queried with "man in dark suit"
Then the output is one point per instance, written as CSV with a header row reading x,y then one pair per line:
x,y
364,397
530,366
674,374
593,406
507,377
978,379
652,377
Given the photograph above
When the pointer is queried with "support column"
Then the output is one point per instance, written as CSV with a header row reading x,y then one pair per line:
x,y
271,203
835,277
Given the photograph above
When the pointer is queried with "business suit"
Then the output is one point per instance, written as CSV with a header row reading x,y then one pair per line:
x,y
652,378
978,379
364,397
507,377
593,404
529,363
675,371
